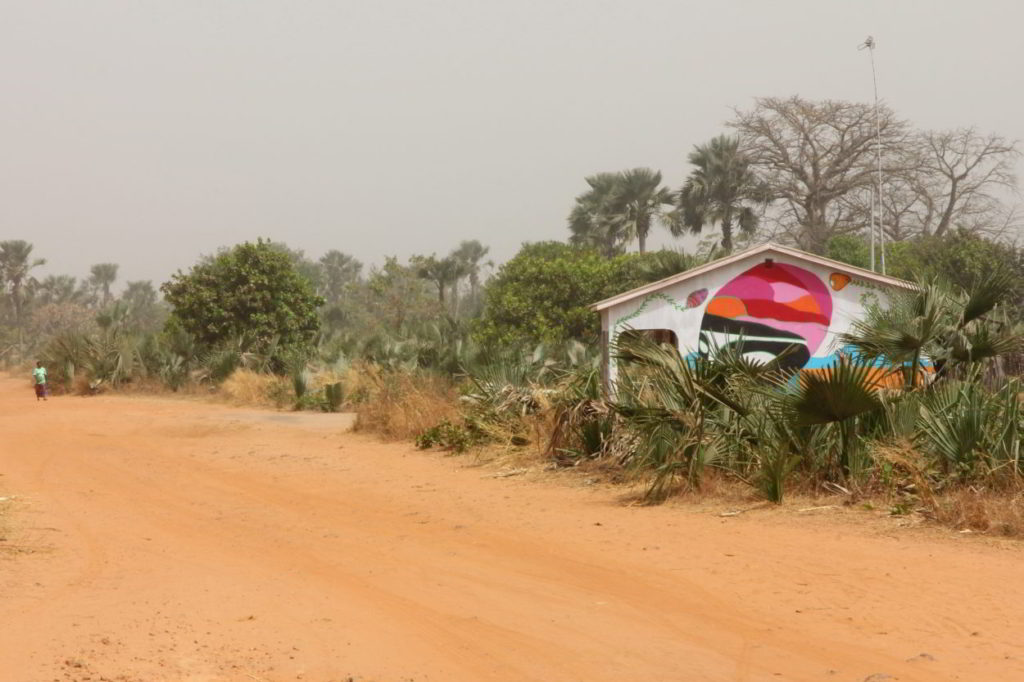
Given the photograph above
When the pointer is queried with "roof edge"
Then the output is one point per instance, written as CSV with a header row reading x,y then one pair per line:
x,y
735,257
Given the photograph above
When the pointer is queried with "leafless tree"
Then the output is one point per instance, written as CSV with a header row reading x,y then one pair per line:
x,y
935,181
817,159
907,205
811,156
969,173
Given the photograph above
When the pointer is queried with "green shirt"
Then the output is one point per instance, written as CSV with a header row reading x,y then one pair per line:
x,y
39,374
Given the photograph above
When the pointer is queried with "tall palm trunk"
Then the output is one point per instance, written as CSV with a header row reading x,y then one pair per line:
x,y
727,232
643,226
16,298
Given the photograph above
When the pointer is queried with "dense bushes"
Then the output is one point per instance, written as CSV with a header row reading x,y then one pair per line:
x,y
958,259
671,421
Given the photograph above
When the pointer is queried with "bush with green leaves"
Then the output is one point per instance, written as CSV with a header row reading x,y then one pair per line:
x,y
447,436
334,396
543,294
252,291
958,259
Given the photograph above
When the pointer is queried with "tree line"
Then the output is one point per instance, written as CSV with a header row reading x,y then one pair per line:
x,y
806,172
791,169
261,299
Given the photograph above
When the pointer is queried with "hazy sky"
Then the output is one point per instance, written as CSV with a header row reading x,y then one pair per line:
x,y
147,133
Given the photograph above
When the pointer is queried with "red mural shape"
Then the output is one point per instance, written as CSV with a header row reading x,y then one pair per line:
x,y
776,305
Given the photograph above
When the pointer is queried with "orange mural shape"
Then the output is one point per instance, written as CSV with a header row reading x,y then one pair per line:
x,y
805,304
726,306
884,378
839,281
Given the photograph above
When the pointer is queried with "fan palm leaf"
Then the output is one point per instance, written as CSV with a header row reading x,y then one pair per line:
x,y
720,189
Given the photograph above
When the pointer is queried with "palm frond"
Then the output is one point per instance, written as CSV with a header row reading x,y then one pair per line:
x,y
834,394
986,295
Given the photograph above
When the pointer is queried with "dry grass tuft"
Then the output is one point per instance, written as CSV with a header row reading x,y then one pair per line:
x,y
253,389
986,511
399,405
80,384
997,511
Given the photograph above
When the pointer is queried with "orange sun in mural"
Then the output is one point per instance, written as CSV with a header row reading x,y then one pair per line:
x,y
838,280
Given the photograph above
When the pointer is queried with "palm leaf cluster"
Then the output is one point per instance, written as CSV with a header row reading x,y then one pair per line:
x,y
762,425
722,190
619,208
947,327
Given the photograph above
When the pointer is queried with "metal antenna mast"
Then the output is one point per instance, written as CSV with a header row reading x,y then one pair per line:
x,y
871,196
870,45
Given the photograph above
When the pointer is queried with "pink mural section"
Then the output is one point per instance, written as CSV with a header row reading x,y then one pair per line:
x,y
773,300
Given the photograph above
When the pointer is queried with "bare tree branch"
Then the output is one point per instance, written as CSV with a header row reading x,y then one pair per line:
x,y
811,156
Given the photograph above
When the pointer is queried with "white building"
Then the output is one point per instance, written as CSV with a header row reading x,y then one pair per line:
x,y
772,296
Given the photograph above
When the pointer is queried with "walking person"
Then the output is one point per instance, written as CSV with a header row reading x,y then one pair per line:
x,y
39,375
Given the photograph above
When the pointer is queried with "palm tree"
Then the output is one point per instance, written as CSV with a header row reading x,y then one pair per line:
x,y
471,254
669,403
442,272
618,208
16,264
338,269
720,189
58,289
592,221
102,276
638,202
835,395
664,263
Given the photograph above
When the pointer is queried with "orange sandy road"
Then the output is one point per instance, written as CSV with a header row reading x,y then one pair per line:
x,y
182,541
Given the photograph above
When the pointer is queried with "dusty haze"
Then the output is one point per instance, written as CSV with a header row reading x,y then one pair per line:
x,y
149,133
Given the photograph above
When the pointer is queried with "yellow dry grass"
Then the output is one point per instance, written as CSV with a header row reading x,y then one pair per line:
x,y
399,405
986,511
253,389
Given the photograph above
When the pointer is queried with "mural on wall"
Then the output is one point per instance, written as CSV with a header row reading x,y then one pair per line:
x,y
839,280
696,298
772,306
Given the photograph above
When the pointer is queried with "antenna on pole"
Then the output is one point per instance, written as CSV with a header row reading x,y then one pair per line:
x,y
869,45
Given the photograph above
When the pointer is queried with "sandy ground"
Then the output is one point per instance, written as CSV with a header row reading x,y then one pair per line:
x,y
176,541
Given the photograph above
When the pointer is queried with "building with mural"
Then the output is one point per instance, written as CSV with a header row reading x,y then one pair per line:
x,y
769,298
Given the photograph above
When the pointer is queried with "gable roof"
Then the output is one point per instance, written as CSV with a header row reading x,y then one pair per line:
x,y
766,248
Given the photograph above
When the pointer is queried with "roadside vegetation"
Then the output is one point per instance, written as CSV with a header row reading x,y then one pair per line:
x,y
458,353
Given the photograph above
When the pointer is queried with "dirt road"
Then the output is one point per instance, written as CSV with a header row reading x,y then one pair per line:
x,y
175,541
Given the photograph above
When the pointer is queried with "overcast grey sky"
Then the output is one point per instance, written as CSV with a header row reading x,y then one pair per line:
x,y
148,133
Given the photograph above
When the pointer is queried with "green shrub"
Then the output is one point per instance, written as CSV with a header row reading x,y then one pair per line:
x,y
334,396
447,436
312,402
